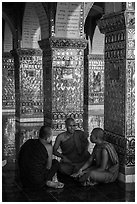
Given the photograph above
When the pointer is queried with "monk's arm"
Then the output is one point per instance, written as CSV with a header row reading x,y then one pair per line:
x,y
56,147
104,161
49,162
88,163
84,167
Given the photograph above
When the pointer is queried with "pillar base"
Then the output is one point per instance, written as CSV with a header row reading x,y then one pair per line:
x,y
127,181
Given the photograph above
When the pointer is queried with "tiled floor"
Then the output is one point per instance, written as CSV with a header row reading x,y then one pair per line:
x,y
72,192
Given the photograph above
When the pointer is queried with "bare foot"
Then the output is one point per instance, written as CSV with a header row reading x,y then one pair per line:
x,y
54,184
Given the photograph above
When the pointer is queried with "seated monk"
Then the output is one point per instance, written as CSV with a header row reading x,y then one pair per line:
x,y
36,166
74,148
103,165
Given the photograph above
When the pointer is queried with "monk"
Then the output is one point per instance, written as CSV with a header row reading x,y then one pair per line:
x,y
103,165
36,167
74,148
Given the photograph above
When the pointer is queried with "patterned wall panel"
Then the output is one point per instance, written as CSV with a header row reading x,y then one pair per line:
x,y
67,87
130,76
120,83
130,99
125,148
25,131
96,79
8,137
30,83
115,82
14,134
96,121
130,82
8,82
119,143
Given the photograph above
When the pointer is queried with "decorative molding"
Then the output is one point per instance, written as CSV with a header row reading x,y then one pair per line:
x,y
115,45
96,57
126,178
53,42
27,51
81,22
68,43
6,55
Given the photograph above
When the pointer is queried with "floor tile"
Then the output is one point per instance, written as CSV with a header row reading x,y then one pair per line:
x,y
72,191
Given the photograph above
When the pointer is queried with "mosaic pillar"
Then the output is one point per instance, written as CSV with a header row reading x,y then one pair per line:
x,y
28,94
8,107
119,94
47,80
86,92
63,71
28,84
8,83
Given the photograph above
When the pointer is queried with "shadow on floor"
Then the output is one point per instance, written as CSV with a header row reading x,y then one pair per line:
x,y
72,191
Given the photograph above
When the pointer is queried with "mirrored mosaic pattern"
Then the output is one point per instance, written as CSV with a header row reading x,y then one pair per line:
x,y
67,80
96,79
31,87
8,82
8,136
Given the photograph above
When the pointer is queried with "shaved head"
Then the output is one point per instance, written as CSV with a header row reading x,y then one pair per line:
x,y
98,132
68,120
45,132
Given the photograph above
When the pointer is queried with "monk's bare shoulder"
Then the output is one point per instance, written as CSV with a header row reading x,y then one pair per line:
x,y
61,136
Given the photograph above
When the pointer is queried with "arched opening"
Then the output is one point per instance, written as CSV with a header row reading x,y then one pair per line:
x,y
31,32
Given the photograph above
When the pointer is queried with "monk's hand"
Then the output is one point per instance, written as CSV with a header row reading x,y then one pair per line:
x,y
78,174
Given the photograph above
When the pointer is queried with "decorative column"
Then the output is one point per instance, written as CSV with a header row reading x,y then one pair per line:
x,y
63,72
119,94
8,106
28,94
45,45
86,92
8,83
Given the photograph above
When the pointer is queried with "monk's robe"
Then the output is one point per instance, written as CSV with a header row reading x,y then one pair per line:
x,y
110,174
76,150
32,162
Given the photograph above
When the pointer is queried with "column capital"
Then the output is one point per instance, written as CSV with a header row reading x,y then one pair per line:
x,y
6,55
112,22
26,51
68,43
117,21
54,42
